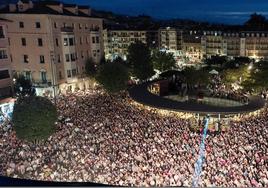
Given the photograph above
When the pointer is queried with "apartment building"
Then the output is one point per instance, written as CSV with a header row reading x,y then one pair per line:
x,y
234,43
50,42
213,43
152,39
116,42
192,47
252,44
6,82
170,39
255,44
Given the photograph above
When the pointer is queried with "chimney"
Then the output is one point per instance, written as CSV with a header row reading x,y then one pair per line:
x,y
12,7
20,6
31,5
76,10
61,8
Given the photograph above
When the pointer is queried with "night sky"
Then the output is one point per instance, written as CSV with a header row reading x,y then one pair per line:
x,y
221,11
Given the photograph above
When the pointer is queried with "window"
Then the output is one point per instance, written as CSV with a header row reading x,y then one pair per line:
x,y
74,72
69,73
21,24
67,57
97,40
23,41
40,42
37,25
55,25
28,75
20,7
25,59
81,41
2,32
73,57
64,25
93,40
3,54
57,42
71,41
4,74
60,75
59,59
80,26
65,43
82,55
42,59
43,76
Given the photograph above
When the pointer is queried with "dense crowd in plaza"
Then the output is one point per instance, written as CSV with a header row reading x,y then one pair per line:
x,y
104,138
219,89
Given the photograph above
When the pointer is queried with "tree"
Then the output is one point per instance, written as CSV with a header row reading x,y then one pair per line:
x,y
119,60
102,60
113,77
90,68
239,74
216,60
163,61
236,62
193,76
256,22
23,86
258,79
139,58
34,118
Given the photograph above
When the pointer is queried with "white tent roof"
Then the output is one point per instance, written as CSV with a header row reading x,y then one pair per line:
x,y
213,72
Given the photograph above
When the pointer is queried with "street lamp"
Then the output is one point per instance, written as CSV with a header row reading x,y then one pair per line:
x,y
53,76
250,66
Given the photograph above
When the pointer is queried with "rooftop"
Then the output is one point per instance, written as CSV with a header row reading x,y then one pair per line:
x,y
42,7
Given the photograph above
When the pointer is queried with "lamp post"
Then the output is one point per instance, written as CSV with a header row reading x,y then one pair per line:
x,y
53,76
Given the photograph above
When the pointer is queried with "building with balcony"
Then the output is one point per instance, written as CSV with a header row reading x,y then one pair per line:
x,y
170,39
256,44
50,42
152,39
116,42
192,47
213,43
6,82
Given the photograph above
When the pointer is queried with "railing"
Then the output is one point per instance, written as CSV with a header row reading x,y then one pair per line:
x,y
94,29
43,83
67,29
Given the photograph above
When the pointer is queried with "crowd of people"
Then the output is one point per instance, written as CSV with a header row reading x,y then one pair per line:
x,y
105,139
218,89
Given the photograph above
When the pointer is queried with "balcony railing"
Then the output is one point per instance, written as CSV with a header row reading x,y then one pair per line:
x,y
94,29
42,83
67,29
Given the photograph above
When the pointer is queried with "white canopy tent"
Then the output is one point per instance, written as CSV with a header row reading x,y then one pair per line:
x,y
214,72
